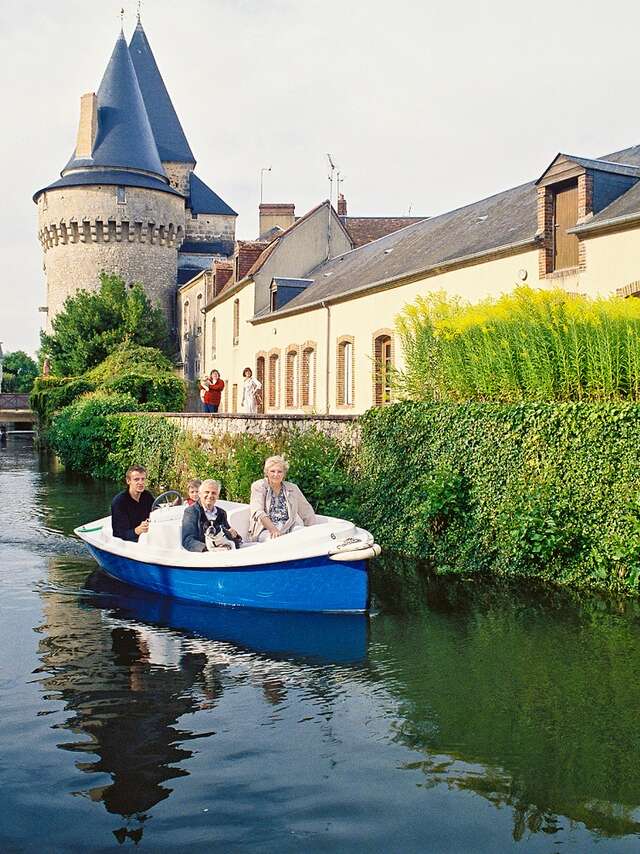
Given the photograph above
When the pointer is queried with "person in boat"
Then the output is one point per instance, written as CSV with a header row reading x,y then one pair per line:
x,y
192,492
277,506
201,516
130,508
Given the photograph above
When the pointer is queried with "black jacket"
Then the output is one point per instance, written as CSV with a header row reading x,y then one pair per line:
x,y
195,524
127,513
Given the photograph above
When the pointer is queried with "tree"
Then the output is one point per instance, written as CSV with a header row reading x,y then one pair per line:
x,y
92,324
19,372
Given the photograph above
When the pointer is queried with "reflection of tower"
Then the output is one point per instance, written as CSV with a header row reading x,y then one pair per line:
x,y
128,201
125,707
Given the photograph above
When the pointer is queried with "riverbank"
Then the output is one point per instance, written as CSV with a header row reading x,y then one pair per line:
x,y
536,490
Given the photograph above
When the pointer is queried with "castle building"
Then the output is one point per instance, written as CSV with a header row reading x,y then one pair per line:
x,y
128,201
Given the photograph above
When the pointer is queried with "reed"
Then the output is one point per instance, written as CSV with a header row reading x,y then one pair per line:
x,y
526,345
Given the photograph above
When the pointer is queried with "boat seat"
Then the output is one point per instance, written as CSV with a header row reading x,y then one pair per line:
x,y
239,519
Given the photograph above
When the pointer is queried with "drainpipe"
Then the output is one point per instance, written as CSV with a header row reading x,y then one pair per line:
x,y
327,346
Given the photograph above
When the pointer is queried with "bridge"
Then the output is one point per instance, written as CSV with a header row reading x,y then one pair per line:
x,y
15,415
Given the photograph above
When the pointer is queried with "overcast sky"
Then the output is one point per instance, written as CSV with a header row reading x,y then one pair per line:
x,y
424,106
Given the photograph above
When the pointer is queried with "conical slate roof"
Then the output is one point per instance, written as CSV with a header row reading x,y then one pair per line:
x,y
125,139
170,138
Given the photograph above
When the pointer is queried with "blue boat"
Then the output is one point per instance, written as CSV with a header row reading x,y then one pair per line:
x,y
319,568
319,638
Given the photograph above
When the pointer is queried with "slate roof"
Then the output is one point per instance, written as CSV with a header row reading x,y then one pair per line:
x,y
364,229
508,218
202,199
600,165
116,177
125,138
207,247
170,138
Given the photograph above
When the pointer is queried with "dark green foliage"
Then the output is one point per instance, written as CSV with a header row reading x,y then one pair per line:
x,y
244,463
92,324
19,372
144,440
159,393
84,436
142,372
547,490
53,393
128,358
321,468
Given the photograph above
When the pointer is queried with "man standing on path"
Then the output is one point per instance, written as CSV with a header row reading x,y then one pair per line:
x,y
130,508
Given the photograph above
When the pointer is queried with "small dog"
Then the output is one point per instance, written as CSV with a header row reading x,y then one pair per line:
x,y
216,537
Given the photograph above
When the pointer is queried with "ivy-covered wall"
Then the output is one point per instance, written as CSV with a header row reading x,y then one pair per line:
x,y
547,490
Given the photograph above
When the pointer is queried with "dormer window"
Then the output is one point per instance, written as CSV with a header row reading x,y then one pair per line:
x,y
565,216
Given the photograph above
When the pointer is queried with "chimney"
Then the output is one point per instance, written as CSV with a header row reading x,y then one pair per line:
x,y
88,127
342,205
276,216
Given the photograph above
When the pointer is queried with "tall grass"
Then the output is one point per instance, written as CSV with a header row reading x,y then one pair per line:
x,y
526,345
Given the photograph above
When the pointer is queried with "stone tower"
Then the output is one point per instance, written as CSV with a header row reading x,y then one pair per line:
x,y
128,201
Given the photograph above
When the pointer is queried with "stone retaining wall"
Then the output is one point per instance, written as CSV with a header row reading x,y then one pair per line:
x,y
343,428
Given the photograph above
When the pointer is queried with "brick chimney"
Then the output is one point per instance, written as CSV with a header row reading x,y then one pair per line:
x,y
342,205
88,127
280,216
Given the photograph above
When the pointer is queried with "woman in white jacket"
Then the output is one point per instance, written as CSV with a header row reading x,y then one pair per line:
x,y
277,506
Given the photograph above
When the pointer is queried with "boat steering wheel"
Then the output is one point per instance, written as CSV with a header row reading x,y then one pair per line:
x,y
171,498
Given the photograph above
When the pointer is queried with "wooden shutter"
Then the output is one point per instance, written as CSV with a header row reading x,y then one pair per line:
x,y
565,216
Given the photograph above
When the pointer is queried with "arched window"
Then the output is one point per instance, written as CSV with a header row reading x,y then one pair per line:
x,y
308,376
185,318
292,378
345,384
383,368
199,315
236,321
214,334
274,390
260,376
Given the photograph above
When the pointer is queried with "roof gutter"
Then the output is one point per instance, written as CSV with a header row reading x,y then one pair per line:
x,y
605,224
402,279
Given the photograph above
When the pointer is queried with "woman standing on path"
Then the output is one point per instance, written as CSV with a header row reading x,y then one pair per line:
x,y
213,386
250,392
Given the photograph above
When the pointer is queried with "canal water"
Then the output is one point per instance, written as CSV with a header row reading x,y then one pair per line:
x,y
459,717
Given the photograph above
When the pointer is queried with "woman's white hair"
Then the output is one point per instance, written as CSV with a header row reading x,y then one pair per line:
x,y
276,459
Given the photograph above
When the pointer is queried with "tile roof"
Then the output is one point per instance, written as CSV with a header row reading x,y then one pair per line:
x,y
202,198
170,138
124,139
364,229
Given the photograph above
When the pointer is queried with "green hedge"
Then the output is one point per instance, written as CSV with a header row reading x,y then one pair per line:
x,y
545,490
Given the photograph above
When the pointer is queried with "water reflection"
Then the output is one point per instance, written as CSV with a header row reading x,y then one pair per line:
x,y
130,665
528,700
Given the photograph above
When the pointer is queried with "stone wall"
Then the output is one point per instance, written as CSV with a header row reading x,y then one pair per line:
x,y
84,230
343,428
210,227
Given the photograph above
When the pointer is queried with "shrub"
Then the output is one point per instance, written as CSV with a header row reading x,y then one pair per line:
x,y
545,490
53,393
130,358
159,393
84,436
526,345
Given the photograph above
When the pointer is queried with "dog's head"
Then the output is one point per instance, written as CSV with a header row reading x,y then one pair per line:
x,y
215,538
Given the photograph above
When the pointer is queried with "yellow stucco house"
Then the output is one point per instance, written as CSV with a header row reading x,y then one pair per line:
x,y
314,318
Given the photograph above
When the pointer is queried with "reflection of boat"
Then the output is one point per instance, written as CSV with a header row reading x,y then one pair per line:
x,y
320,568
339,638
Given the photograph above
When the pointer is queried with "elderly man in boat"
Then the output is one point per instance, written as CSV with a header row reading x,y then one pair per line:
x,y
130,508
203,516
277,506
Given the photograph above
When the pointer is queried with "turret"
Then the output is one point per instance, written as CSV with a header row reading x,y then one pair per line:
x,y
113,208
